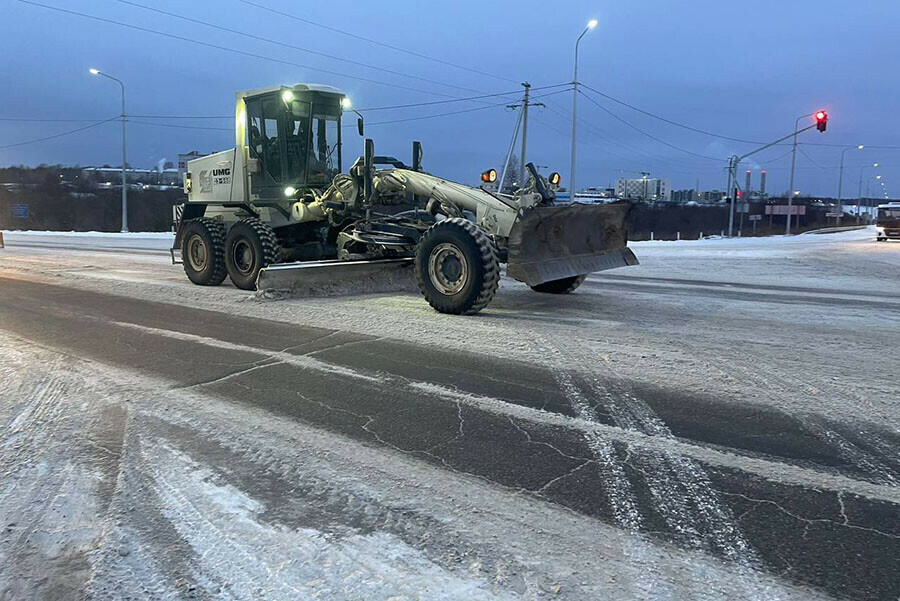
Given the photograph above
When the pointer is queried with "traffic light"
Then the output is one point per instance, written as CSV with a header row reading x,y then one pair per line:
x,y
821,120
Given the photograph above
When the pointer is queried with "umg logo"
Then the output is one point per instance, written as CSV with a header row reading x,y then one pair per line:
x,y
220,176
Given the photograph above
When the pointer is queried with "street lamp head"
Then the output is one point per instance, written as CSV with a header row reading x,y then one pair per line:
x,y
592,23
874,164
94,71
860,147
877,177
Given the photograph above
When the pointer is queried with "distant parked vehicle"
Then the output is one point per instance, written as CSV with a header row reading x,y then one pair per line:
x,y
887,221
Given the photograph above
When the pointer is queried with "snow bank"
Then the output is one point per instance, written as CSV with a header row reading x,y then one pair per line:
x,y
117,240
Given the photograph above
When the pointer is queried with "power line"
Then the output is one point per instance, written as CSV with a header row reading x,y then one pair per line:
x,y
226,49
286,45
651,136
65,133
179,126
599,132
675,123
713,134
641,160
182,116
22,119
811,160
471,110
418,104
376,42
378,108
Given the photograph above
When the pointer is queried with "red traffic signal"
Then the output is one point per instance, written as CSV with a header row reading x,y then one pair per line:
x,y
821,120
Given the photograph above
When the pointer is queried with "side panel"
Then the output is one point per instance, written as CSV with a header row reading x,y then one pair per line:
x,y
219,177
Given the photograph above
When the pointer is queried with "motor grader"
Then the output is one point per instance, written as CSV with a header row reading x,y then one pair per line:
x,y
277,210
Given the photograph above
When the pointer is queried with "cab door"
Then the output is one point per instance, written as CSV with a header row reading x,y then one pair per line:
x,y
266,143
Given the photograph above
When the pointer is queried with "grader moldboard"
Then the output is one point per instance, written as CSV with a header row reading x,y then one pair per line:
x,y
277,211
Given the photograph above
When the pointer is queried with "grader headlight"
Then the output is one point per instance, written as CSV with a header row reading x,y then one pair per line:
x,y
489,176
555,178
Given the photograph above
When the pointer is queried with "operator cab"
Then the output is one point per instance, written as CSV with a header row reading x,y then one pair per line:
x,y
293,134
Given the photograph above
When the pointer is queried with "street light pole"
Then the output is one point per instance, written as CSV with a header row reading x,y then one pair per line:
x,y
124,158
793,162
591,24
841,181
859,192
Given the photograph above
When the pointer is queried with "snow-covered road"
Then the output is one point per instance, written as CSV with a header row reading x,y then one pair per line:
x,y
717,423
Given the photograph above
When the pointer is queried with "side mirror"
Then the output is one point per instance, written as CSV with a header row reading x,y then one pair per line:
x,y
360,127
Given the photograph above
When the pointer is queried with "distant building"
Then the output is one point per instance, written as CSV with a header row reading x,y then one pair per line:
x,y
684,196
712,196
148,177
594,194
644,188
183,161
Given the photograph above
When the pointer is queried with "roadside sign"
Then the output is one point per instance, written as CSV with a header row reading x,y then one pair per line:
x,y
755,217
19,211
783,209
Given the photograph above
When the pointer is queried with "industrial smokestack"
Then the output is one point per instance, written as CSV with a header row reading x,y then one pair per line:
x,y
762,183
747,186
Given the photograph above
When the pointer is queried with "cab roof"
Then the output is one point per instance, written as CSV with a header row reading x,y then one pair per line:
x,y
299,87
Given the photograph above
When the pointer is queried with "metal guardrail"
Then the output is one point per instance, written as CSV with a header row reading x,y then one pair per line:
x,y
834,230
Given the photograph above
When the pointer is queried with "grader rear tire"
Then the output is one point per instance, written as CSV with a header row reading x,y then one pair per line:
x,y
203,251
457,267
250,246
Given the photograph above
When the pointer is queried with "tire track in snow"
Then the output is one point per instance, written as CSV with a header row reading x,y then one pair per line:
x,y
681,490
241,557
28,433
775,383
766,468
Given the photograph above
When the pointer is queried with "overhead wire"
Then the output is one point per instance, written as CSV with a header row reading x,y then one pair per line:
x,y
59,135
417,54
291,46
180,126
664,119
447,114
610,138
651,136
226,49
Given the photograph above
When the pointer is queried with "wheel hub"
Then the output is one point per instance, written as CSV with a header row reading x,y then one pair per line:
x,y
198,254
243,257
448,268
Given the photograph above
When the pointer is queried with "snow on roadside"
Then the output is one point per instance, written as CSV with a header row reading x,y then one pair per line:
x,y
119,240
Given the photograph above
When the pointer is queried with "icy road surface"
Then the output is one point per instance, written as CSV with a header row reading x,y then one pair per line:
x,y
720,422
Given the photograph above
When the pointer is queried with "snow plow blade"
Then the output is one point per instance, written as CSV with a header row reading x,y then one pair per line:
x,y
336,276
552,243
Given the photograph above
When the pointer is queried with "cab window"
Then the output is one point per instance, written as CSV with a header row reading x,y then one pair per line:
x,y
325,150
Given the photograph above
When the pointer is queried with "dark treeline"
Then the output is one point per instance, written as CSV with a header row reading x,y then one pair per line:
x,y
55,207
57,198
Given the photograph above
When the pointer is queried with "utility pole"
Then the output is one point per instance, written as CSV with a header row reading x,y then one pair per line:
x,y
791,185
523,123
729,190
524,134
